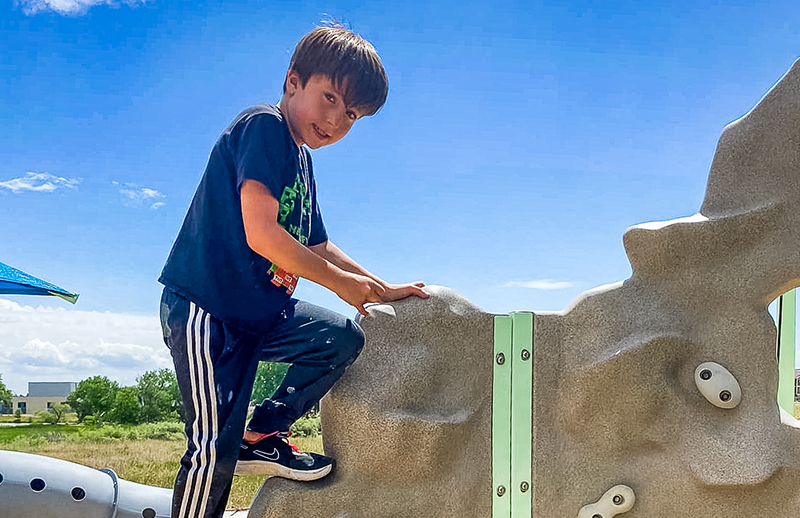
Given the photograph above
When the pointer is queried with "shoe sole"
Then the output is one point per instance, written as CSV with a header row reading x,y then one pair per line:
x,y
259,467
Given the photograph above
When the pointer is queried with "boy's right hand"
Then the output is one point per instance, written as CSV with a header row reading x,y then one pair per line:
x,y
358,290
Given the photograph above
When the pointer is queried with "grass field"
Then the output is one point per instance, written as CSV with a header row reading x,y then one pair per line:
x,y
147,454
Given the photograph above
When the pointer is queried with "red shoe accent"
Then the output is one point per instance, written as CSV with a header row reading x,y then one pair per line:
x,y
261,438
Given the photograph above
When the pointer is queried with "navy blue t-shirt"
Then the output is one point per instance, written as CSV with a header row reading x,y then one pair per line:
x,y
211,262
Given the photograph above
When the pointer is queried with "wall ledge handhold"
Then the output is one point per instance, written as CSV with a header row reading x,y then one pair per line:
x,y
718,385
617,500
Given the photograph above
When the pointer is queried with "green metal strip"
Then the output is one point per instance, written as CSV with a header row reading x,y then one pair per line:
x,y
786,350
501,418
521,414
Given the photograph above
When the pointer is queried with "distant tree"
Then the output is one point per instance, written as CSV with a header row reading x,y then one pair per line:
x,y
5,395
126,408
59,411
269,376
160,396
94,396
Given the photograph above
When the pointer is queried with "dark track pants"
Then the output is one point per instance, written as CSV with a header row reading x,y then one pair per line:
x,y
216,366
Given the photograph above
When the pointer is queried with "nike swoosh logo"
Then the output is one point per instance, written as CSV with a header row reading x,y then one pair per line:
x,y
273,455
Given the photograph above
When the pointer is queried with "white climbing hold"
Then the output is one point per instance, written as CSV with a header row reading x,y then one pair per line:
x,y
617,500
717,385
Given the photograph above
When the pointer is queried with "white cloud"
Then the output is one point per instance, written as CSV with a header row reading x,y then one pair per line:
x,y
39,182
135,196
69,7
541,284
47,344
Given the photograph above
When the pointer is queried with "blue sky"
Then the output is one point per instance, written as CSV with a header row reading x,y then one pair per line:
x,y
518,142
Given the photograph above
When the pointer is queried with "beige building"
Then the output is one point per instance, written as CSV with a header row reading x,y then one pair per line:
x,y
42,394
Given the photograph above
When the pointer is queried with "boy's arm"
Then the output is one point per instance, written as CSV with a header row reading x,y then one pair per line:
x,y
333,254
268,239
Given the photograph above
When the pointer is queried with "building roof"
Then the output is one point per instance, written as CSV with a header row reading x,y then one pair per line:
x,y
51,388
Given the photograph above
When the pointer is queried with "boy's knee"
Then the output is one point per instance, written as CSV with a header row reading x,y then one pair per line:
x,y
344,343
353,339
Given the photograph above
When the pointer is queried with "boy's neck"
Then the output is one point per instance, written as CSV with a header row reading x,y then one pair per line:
x,y
285,112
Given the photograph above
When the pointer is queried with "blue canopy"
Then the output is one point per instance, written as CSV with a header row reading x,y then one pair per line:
x,y
17,282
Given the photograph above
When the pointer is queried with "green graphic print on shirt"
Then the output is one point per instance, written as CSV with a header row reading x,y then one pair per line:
x,y
293,200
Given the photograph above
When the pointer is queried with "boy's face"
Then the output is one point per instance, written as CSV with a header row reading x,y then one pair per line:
x,y
316,114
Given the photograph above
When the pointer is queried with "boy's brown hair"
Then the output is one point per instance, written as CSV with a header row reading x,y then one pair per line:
x,y
348,60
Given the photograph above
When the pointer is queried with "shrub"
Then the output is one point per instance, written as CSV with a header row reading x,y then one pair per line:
x,y
55,437
165,430
25,442
113,432
169,431
45,417
307,426
89,420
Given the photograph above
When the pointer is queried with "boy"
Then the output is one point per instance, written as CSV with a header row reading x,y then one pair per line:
x,y
252,229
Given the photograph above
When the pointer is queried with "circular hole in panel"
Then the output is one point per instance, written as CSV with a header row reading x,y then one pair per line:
x,y
149,513
1,478
78,493
37,484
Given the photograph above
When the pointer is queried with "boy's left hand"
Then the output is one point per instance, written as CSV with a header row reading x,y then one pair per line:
x,y
393,292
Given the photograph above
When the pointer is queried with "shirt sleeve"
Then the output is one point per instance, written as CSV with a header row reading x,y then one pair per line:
x,y
259,151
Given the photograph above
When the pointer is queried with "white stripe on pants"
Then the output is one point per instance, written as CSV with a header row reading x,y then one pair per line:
x,y
205,428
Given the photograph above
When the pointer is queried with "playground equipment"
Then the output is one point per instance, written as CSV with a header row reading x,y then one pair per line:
x,y
42,487
17,282
649,398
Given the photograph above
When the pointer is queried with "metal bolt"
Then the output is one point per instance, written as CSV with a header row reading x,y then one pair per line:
x,y
501,359
526,355
618,499
524,487
724,396
78,493
501,490
705,374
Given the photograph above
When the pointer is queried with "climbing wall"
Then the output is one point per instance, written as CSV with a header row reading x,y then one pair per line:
x,y
652,397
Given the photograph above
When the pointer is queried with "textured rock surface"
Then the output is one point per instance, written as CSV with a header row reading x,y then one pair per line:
x,y
615,399
409,424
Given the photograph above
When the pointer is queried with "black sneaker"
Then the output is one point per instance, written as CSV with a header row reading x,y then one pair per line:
x,y
274,456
